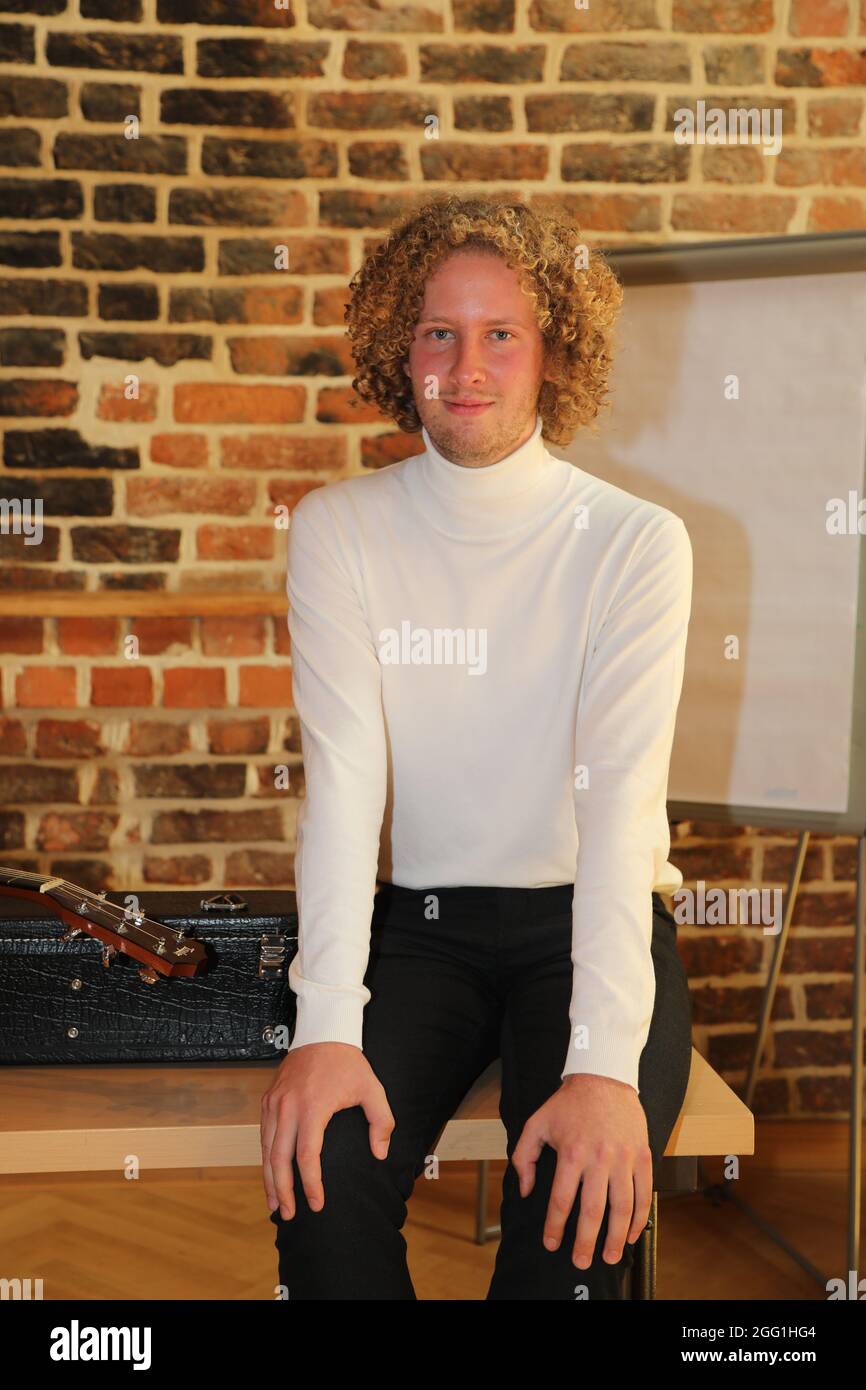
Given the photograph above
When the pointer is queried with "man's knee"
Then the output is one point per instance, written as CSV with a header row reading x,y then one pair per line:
x,y
351,1174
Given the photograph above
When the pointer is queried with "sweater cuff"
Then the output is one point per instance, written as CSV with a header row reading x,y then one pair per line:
x,y
616,1057
327,1015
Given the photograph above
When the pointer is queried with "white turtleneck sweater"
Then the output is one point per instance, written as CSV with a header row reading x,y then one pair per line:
x,y
487,664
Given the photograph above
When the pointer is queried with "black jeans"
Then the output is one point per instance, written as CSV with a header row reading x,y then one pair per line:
x,y
490,977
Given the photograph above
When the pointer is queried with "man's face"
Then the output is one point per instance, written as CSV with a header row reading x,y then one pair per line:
x,y
478,338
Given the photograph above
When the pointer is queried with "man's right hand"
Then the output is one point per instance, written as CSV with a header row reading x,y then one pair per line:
x,y
312,1083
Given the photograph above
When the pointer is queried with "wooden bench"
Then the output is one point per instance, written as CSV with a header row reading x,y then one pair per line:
x,y
56,1119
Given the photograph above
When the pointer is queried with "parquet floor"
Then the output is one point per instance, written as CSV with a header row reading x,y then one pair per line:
x,y
192,1234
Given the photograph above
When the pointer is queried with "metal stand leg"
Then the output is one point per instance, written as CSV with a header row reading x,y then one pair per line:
x,y
723,1191
642,1282
855,1130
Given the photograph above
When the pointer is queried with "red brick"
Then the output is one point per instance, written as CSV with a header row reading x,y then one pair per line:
x,y
329,306
340,405
369,61
95,636
623,212
46,687
271,304
121,685
43,396
13,737
178,869
269,452
834,117
836,215
21,635
819,18
234,543
325,353
233,637
179,450
837,165
147,738
233,736
732,212
733,164
265,687
113,404
820,67
457,162
89,830
262,868
194,687
159,496
230,404
723,16
69,738
158,635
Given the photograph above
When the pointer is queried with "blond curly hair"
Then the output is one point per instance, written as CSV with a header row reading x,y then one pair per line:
x,y
575,306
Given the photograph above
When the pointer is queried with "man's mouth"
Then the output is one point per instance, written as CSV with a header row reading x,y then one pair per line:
x,y
467,408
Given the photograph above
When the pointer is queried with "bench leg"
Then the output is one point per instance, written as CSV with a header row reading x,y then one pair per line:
x,y
483,1232
481,1204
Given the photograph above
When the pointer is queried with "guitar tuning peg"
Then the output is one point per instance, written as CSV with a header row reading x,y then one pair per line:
x,y
148,974
108,954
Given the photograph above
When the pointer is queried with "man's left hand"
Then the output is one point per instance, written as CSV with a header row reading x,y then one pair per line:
x,y
598,1128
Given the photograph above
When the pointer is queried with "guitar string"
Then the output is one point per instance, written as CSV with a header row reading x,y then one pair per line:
x,y
85,894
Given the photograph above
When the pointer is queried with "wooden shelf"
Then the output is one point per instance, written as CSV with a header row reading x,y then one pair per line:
x,y
148,603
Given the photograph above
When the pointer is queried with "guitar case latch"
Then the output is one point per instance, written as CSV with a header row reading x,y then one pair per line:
x,y
272,953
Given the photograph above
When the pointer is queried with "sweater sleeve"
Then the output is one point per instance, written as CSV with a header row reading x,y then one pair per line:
x,y
336,684
623,738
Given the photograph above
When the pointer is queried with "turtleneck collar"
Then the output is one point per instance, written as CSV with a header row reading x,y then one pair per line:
x,y
516,473
493,500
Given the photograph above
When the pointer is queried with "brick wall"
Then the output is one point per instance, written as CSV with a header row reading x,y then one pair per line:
x,y
172,382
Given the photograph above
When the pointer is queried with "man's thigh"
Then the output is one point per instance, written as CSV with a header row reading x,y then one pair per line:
x,y
534,1043
431,1028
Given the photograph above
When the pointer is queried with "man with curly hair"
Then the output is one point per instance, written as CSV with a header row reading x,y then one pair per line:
x,y
488,647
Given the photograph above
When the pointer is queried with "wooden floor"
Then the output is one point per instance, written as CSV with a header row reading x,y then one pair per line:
x,y
197,1234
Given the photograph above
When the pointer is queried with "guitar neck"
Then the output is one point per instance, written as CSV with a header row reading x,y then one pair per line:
x,y
128,930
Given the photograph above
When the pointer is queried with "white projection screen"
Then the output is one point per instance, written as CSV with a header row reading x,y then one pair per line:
x,y
739,402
